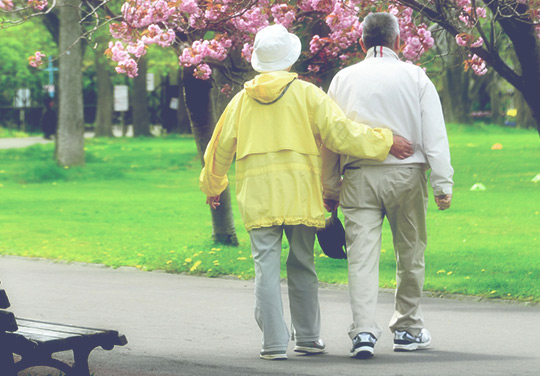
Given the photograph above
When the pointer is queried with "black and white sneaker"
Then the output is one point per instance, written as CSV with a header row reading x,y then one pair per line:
x,y
363,345
404,341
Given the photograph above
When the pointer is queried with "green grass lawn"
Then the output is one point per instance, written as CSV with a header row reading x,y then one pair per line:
x,y
137,203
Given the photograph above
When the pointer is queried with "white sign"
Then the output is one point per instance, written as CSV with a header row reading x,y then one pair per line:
x,y
22,99
150,83
174,104
121,99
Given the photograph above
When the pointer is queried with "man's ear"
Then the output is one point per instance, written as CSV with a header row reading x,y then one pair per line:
x,y
363,46
397,44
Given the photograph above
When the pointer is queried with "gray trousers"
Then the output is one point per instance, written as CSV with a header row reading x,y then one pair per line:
x,y
368,194
302,283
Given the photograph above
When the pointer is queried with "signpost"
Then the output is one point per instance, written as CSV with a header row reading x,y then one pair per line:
x,y
50,87
22,100
150,82
121,103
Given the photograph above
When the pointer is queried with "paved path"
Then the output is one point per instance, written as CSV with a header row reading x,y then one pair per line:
x,y
184,325
21,142
180,325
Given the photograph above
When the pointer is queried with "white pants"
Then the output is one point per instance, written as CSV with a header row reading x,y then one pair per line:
x,y
368,194
302,283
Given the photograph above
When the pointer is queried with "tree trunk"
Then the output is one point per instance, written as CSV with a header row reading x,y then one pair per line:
x,y
524,117
105,97
198,101
70,141
522,33
454,87
495,98
181,113
141,114
455,92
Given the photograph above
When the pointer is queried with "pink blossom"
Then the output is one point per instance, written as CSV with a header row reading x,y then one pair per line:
x,y
37,4
247,51
128,67
465,40
251,21
188,6
138,49
203,72
119,53
158,36
35,60
478,65
121,31
6,4
215,49
234,26
283,15
413,49
315,44
463,3
469,18
462,39
226,90
479,42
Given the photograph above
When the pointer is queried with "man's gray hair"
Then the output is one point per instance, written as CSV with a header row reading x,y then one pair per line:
x,y
380,29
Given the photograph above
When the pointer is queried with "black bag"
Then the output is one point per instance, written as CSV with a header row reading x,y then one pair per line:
x,y
332,238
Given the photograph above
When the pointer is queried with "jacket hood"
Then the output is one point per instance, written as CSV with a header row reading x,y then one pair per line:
x,y
267,88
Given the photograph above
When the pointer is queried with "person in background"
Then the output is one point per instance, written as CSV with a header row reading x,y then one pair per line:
x,y
275,126
384,90
49,119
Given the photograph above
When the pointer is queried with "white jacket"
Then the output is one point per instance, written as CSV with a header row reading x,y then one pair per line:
x,y
382,91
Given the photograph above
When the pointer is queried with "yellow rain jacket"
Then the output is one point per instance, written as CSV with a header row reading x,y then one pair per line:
x,y
276,126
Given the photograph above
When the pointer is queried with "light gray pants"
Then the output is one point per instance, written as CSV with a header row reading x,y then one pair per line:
x,y
368,194
302,283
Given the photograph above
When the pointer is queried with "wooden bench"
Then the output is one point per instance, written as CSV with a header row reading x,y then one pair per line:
x,y
36,342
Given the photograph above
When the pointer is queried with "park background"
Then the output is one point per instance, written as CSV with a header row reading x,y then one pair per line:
x,y
135,201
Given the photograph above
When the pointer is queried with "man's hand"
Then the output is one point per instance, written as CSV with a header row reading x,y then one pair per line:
x,y
213,201
443,201
330,205
401,148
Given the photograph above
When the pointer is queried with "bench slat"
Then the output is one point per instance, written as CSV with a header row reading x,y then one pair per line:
x,y
44,335
30,325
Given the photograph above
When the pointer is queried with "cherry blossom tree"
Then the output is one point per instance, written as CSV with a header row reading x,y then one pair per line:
x,y
486,31
206,33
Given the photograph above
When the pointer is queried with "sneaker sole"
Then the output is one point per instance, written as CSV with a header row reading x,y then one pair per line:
x,y
411,346
363,352
274,357
309,350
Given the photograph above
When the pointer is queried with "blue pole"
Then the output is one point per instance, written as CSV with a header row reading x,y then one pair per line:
x,y
51,71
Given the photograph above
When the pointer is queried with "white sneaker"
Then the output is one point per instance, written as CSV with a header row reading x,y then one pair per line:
x,y
404,341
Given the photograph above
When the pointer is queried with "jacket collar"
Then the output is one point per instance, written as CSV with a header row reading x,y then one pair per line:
x,y
381,51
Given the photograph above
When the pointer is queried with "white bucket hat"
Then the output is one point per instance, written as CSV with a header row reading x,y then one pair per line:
x,y
275,49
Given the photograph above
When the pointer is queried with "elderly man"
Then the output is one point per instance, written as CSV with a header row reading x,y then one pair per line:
x,y
384,90
275,127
